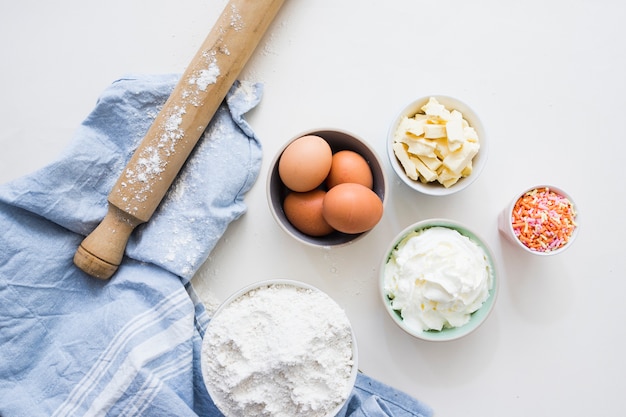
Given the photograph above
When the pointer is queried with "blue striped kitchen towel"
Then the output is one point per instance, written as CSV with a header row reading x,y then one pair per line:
x,y
72,345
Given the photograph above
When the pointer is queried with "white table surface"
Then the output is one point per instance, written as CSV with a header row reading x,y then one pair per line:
x,y
548,80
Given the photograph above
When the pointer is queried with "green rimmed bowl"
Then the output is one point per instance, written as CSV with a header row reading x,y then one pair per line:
x,y
477,318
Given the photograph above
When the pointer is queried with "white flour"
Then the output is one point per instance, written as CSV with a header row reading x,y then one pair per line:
x,y
205,77
279,351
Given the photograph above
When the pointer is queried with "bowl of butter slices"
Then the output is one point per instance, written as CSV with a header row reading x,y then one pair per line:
x,y
437,145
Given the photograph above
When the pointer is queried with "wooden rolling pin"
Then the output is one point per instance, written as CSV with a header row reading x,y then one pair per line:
x,y
175,131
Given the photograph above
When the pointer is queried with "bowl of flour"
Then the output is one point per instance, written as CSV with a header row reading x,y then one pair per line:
x,y
279,348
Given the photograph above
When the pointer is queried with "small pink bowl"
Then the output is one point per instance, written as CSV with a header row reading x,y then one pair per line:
x,y
505,223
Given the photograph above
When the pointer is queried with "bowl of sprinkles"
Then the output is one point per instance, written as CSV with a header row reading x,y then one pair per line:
x,y
542,220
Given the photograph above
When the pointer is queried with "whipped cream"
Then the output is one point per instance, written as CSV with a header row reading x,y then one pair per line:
x,y
436,278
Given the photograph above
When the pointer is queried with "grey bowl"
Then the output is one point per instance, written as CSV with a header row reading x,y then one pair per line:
x,y
277,191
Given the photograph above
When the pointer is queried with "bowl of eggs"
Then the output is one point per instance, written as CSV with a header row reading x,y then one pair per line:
x,y
326,187
437,145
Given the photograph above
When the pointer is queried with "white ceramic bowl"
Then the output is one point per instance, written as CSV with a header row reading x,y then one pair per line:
x,y
505,224
277,191
477,318
206,347
479,161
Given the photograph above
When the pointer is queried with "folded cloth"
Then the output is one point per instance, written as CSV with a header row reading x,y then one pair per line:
x,y
371,398
72,345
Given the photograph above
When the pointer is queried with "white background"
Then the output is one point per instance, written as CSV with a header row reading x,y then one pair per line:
x,y
548,79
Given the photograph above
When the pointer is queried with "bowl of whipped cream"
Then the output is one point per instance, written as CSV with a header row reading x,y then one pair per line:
x,y
438,280
279,348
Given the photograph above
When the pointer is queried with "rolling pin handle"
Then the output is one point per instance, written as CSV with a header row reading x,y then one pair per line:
x,y
108,241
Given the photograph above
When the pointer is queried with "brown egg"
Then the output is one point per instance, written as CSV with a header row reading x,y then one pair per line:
x,y
304,212
349,166
352,208
305,163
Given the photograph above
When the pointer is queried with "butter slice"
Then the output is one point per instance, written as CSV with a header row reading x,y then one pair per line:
x,y
428,174
470,134
455,114
434,131
401,130
433,163
449,183
446,177
421,146
467,171
457,160
442,150
415,125
409,126
403,156
455,134
434,108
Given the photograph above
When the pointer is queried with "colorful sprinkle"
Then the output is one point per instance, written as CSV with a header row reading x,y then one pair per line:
x,y
543,220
